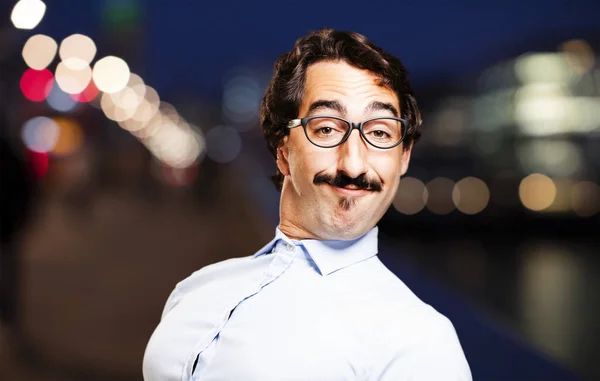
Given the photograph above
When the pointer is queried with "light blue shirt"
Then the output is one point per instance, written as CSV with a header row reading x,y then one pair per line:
x,y
302,310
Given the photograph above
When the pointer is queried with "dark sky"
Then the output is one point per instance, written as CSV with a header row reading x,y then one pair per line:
x,y
193,43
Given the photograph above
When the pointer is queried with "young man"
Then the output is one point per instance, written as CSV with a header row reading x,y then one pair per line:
x,y
316,303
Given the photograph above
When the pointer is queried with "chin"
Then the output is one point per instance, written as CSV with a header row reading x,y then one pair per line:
x,y
346,228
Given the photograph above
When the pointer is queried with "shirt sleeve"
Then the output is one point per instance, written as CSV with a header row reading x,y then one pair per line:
x,y
438,355
171,302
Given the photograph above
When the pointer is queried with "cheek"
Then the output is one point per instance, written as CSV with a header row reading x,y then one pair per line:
x,y
306,162
389,168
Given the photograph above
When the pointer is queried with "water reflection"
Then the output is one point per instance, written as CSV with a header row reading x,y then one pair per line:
x,y
551,289
546,289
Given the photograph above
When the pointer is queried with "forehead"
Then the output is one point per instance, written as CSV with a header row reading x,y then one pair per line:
x,y
338,80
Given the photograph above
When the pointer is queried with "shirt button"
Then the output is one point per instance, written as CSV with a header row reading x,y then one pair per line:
x,y
289,247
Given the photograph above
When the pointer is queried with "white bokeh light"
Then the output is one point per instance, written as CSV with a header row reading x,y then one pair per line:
x,y
77,46
73,75
148,107
177,146
39,51
113,111
27,14
111,74
132,95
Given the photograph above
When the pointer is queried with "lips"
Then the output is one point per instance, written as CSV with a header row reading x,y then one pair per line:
x,y
351,190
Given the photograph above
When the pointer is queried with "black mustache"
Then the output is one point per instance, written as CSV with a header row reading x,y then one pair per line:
x,y
342,180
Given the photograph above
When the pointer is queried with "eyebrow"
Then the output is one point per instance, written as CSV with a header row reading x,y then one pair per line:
x,y
325,104
340,108
380,106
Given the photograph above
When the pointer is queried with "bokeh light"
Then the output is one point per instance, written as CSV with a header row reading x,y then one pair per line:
x,y
174,145
40,134
39,163
113,111
179,176
223,144
77,46
59,100
73,75
148,107
471,195
39,51
132,95
411,196
169,111
450,121
439,199
70,137
543,109
579,55
542,67
111,74
144,130
556,157
562,199
36,84
537,192
88,94
585,198
241,98
131,125
27,14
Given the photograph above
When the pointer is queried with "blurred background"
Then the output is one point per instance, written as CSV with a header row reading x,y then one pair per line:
x,y
132,155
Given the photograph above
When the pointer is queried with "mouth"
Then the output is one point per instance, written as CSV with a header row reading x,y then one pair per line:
x,y
351,190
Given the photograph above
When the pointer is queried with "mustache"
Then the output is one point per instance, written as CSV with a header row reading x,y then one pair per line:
x,y
342,180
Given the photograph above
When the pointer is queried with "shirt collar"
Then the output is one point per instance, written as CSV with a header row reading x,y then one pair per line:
x,y
330,255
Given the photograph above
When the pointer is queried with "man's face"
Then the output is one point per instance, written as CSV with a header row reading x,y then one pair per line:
x,y
340,192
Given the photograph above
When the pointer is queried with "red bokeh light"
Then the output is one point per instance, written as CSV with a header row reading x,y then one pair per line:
x,y
88,94
179,176
39,163
36,84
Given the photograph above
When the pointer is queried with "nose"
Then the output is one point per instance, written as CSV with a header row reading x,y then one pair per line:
x,y
353,155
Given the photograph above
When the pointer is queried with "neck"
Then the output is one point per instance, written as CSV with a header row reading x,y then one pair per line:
x,y
295,232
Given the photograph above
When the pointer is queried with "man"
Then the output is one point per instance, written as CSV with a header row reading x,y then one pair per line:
x,y
316,303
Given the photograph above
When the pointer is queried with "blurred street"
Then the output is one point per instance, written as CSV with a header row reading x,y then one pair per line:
x,y
85,307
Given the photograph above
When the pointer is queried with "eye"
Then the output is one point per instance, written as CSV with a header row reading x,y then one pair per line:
x,y
380,134
325,130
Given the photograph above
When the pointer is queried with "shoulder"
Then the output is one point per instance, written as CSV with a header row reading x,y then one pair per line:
x,y
206,276
421,345
410,324
407,314
390,289
417,342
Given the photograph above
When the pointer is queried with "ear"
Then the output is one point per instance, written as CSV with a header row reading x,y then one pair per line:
x,y
405,159
283,156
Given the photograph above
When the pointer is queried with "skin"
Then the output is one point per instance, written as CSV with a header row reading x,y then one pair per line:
x,y
325,212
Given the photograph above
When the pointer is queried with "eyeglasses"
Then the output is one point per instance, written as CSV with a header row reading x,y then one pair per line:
x,y
331,131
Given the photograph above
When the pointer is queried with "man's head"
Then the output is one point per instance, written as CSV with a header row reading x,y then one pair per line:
x,y
342,191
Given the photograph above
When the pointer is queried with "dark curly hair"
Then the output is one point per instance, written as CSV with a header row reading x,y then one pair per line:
x,y
283,97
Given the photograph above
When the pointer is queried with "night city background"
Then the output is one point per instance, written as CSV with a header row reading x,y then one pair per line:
x,y
132,155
